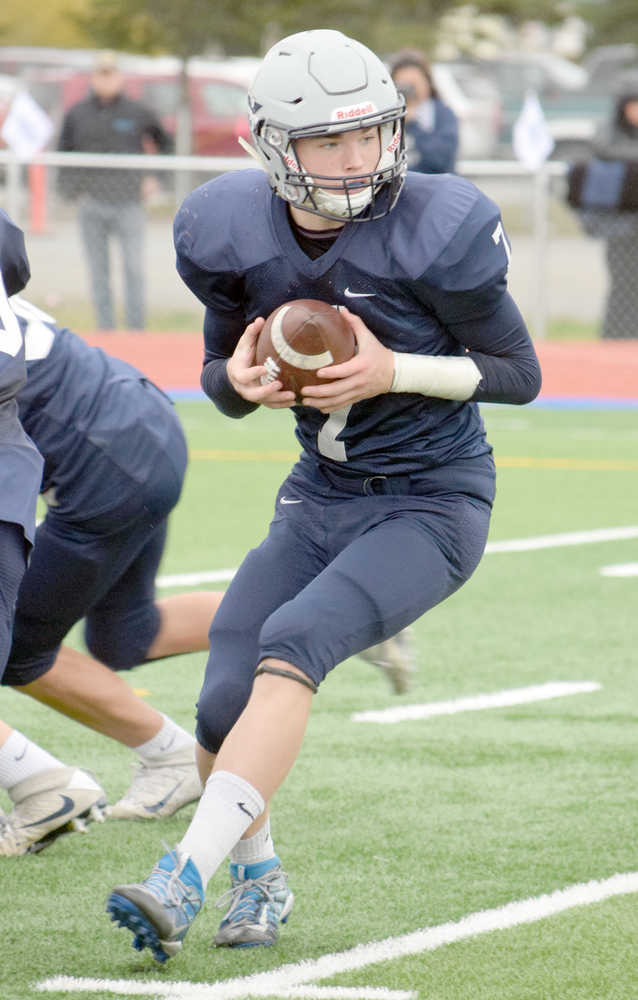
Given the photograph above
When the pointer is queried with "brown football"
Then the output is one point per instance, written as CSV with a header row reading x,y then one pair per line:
x,y
298,338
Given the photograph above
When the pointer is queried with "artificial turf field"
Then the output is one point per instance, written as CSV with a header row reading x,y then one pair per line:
x,y
388,830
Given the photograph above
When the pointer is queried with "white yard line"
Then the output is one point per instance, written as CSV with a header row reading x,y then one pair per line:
x,y
194,579
285,981
513,545
566,538
475,703
620,569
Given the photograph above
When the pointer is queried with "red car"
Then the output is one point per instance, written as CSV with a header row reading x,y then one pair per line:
x,y
217,99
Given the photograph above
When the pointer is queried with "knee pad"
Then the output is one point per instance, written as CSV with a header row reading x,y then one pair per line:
x,y
122,644
218,707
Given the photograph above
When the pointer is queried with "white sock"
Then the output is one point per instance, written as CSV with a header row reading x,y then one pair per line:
x,y
170,738
226,809
20,759
252,850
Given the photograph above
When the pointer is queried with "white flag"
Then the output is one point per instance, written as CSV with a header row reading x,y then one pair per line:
x,y
531,139
27,128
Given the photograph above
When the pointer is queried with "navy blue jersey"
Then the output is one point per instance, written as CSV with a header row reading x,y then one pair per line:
x,y
20,462
84,410
428,278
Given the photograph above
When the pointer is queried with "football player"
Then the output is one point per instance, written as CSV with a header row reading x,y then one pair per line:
x,y
395,482
114,462
20,476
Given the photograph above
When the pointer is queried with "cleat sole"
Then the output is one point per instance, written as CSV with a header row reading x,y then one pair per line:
x,y
127,915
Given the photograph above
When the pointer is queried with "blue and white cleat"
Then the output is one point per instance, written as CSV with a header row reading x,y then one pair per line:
x,y
259,900
160,910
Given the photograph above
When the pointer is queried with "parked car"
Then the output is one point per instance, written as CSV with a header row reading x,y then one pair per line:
x,y
216,99
217,91
572,103
476,101
607,65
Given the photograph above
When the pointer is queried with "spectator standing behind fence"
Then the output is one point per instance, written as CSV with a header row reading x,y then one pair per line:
x,y
617,141
431,127
111,200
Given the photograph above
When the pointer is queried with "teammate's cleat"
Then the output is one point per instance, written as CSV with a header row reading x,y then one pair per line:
x,y
46,805
259,900
160,789
395,657
160,910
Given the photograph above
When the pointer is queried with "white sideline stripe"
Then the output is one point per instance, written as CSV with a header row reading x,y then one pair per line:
x,y
513,545
202,991
566,538
620,569
192,579
287,977
474,703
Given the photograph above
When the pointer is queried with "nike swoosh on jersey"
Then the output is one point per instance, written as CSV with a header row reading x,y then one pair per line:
x,y
286,500
358,295
67,806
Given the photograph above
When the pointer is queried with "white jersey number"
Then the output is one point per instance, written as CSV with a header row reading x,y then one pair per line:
x,y
38,337
327,437
10,335
499,237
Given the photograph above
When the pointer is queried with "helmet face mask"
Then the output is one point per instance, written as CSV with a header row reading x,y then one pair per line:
x,y
320,83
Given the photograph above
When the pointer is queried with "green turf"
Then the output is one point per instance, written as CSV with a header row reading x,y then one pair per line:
x,y
388,829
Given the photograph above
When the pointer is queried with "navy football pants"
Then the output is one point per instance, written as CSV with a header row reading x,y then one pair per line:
x,y
102,570
13,561
336,574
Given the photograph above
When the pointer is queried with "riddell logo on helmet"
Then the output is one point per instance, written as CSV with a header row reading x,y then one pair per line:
x,y
396,138
290,162
352,111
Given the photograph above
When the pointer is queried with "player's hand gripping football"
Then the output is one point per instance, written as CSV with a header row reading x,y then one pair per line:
x,y
369,373
245,376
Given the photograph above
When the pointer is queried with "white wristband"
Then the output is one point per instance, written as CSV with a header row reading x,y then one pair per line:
x,y
434,375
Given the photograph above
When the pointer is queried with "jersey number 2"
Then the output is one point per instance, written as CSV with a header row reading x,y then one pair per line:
x,y
327,437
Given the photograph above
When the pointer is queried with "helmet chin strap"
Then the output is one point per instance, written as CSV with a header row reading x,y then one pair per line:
x,y
256,155
343,206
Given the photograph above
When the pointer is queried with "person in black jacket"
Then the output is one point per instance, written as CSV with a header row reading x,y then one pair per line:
x,y
431,127
111,199
616,142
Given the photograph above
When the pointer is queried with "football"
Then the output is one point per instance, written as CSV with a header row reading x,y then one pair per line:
x,y
300,337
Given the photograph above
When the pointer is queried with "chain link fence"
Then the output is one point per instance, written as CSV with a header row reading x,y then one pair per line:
x,y
68,202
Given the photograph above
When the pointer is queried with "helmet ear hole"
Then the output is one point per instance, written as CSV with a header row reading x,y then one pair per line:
x,y
318,83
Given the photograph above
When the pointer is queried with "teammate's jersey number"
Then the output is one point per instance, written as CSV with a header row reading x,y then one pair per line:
x,y
10,335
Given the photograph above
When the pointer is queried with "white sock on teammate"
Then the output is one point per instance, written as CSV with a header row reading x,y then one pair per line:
x,y
167,741
20,759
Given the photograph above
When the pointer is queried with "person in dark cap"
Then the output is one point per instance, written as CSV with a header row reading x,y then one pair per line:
x,y
111,200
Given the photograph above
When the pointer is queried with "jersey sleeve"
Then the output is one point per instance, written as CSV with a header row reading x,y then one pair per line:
x,y
220,338
466,288
205,264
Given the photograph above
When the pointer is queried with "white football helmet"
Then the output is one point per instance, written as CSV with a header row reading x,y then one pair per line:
x,y
319,83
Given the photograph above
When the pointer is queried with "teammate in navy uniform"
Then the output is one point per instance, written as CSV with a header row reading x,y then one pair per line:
x,y
21,464
395,482
20,476
114,462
